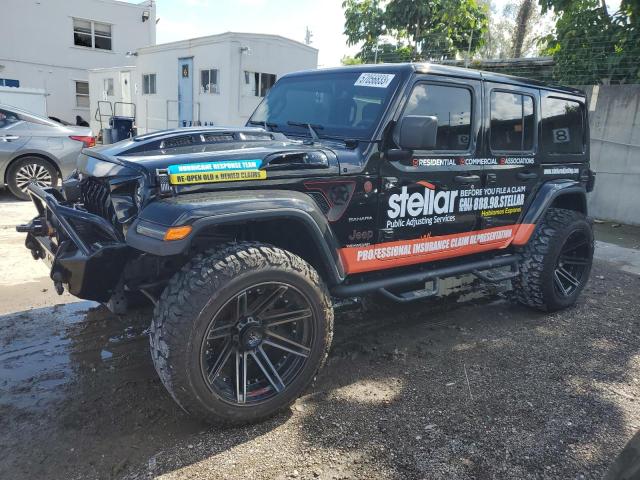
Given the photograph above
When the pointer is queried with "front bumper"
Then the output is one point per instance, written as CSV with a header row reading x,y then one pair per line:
x,y
83,251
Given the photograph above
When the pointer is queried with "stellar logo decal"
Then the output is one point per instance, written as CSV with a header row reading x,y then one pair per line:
x,y
429,206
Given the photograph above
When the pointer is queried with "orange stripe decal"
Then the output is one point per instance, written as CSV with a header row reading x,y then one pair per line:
x,y
409,252
523,234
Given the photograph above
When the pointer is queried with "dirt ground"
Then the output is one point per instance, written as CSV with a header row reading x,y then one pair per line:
x,y
457,390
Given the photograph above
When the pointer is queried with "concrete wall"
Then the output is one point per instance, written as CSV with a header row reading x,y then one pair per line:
x,y
614,118
37,46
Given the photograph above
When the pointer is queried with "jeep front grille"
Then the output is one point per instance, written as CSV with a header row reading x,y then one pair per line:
x,y
97,199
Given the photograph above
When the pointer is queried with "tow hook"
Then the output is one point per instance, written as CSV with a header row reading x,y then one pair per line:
x,y
37,227
57,283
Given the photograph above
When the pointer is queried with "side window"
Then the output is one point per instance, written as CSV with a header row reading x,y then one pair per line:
x,y
512,122
562,125
7,118
451,106
82,94
149,84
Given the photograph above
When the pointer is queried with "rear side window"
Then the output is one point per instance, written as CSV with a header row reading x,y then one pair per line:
x,y
562,125
512,122
451,106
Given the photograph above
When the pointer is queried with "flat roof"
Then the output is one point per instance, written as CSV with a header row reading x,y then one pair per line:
x,y
219,37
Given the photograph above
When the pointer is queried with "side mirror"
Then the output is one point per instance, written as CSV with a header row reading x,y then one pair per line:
x,y
418,132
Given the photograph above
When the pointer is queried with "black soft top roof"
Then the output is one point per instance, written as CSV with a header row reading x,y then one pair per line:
x,y
445,70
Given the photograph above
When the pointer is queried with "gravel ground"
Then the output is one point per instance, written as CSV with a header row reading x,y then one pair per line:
x,y
451,390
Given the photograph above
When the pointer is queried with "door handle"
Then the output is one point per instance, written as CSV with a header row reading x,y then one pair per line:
x,y
466,178
526,176
9,138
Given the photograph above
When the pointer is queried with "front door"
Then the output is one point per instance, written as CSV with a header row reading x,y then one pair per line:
x,y
185,91
513,172
426,205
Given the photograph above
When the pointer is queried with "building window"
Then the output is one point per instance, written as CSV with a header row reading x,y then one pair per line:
x,y
7,82
451,106
259,83
90,34
562,126
209,81
82,94
512,122
149,84
108,87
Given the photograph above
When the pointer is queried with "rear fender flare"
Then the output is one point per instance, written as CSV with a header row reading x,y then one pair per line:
x,y
551,193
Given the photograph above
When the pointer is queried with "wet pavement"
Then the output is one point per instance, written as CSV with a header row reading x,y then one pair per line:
x,y
471,389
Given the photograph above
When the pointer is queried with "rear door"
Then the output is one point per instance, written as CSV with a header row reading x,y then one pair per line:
x,y
512,171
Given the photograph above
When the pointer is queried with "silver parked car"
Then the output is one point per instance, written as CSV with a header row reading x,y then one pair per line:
x,y
36,149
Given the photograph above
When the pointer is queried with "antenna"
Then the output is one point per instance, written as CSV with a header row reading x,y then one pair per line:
x,y
308,36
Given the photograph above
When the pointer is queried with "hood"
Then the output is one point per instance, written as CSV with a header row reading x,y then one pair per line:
x,y
193,146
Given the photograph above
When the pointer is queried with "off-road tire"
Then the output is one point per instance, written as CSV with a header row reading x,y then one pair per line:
x,y
534,287
17,165
201,287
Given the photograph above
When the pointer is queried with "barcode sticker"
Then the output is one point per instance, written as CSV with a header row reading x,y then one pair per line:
x,y
377,80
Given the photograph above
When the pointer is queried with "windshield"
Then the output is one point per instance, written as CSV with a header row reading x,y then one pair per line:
x,y
346,105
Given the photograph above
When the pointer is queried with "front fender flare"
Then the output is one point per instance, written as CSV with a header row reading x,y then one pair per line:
x,y
204,210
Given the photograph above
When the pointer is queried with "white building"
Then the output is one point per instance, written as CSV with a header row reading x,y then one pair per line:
x,y
51,45
219,79
112,91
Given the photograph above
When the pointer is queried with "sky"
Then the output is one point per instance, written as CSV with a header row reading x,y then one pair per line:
x,y
181,19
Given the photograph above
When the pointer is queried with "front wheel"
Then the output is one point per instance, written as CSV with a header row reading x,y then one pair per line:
x,y
240,333
556,262
30,170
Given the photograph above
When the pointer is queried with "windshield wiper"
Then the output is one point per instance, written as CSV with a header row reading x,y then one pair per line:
x,y
312,128
268,126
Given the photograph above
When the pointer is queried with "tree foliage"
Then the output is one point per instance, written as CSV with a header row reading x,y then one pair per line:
x,y
592,45
514,31
404,30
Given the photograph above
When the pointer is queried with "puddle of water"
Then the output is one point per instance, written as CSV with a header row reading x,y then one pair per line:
x,y
42,350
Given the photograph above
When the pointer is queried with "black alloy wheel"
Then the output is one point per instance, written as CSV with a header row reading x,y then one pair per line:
x,y
257,343
240,332
573,264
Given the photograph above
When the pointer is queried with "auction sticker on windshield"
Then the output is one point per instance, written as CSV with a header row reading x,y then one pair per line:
x,y
378,80
214,172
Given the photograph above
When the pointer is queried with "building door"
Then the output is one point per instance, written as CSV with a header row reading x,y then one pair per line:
x,y
125,88
125,85
185,91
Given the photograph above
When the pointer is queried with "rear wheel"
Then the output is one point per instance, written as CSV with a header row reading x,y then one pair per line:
x,y
240,333
556,262
30,170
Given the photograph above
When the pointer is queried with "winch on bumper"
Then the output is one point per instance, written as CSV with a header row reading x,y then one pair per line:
x,y
84,251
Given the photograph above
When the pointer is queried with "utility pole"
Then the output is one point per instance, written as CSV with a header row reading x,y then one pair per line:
x,y
308,36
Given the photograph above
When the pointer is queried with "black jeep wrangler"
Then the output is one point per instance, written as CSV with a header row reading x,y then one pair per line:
x,y
372,179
